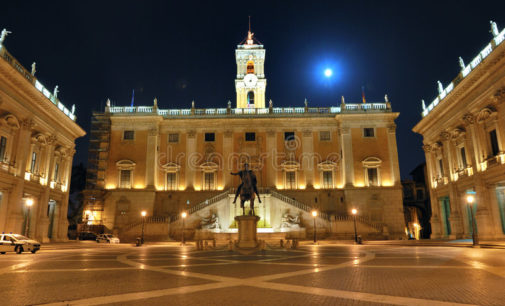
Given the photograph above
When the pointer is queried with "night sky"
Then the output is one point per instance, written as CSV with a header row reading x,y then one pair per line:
x,y
178,51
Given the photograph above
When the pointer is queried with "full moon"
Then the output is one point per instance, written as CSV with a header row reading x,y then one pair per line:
x,y
328,72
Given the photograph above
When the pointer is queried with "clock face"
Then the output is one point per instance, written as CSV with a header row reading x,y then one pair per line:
x,y
250,80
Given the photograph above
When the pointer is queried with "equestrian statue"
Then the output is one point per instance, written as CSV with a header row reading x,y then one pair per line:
x,y
247,190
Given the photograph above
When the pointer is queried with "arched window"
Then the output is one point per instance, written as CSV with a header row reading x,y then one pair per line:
x,y
250,97
250,67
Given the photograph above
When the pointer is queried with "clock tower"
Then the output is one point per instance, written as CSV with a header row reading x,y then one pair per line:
x,y
250,83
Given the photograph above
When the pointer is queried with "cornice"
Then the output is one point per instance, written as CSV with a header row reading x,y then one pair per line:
x,y
34,98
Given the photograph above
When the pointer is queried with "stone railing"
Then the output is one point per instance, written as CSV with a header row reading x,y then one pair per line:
x,y
378,226
298,204
33,80
202,205
272,111
147,221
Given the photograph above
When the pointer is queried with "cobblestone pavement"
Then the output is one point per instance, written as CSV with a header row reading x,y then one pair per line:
x,y
311,275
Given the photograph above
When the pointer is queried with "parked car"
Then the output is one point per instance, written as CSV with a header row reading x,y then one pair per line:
x,y
87,236
108,238
17,243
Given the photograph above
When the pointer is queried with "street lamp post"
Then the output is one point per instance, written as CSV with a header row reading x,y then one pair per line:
x,y
314,215
143,214
183,215
475,235
354,211
29,203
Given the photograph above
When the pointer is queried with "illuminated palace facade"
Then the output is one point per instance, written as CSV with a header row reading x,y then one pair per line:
x,y
166,161
464,142
37,135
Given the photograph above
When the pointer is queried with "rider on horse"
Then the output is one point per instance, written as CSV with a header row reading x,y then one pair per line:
x,y
242,173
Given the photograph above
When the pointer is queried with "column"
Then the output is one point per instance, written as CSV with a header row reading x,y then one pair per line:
x,y
347,157
436,228
308,157
483,216
447,156
393,156
49,159
473,142
15,215
151,158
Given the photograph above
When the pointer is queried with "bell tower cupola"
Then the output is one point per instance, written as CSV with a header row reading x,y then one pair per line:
x,y
250,83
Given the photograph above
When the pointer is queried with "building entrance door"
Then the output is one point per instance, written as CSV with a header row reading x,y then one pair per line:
x,y
51,206
500,198
446,213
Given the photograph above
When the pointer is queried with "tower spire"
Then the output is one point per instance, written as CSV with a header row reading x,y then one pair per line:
x,y
250,40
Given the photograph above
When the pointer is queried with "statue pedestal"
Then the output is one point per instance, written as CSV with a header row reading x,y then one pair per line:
x,y
247,240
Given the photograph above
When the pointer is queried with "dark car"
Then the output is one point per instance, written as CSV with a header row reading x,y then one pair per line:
x,y
87,236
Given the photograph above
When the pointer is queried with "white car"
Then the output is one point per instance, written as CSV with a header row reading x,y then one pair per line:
x,y
108,238
17,243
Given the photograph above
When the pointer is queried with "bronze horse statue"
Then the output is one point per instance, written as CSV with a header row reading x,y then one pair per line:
x,y
247,190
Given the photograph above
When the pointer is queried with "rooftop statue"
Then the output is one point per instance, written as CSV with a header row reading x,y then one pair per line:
x,y
3,35
461,63
440,88
494,28
55,91
33,68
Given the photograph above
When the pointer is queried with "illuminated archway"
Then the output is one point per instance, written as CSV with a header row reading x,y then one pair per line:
x,y
250,67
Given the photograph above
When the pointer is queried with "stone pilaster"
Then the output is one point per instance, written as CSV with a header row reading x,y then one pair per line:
x,y
308,167
227,154
347,156
151,158
393,156
271,161
190,159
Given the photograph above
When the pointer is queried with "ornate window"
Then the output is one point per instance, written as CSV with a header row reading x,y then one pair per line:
x,y
125,169
3,148
290,176
171,176
33,162
56,171
462,157
209,175
327,174
440,167
493,139
371,167
250,67
250,97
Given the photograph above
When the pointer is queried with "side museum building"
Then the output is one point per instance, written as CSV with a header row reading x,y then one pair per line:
x,y
464,141
169,161
37,140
